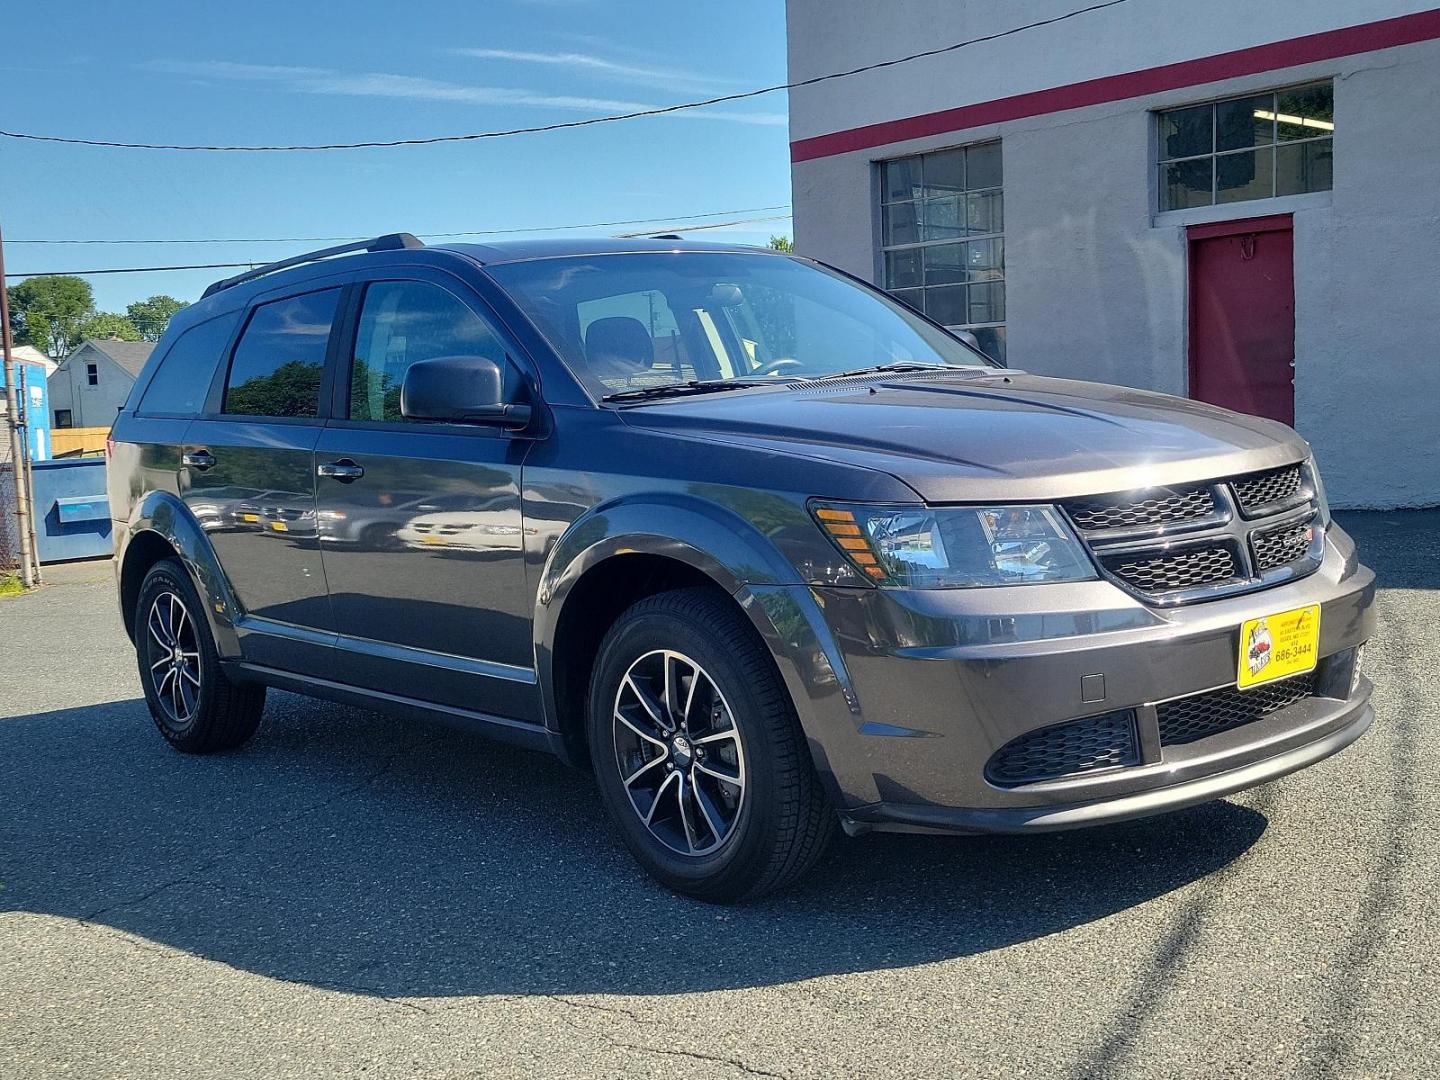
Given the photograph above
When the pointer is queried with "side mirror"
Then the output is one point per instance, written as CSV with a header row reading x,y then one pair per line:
x,y
459,390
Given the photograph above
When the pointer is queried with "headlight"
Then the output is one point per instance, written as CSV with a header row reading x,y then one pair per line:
x,y
956,547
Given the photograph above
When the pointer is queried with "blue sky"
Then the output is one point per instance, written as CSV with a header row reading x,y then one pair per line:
x,y
299,71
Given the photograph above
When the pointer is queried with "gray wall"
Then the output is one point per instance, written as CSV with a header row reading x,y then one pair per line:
x,y
90,406
1097,280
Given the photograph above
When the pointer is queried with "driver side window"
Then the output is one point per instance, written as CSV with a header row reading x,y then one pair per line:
x,y
402,322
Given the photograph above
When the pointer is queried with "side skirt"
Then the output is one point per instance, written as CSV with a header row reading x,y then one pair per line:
x,y
515,732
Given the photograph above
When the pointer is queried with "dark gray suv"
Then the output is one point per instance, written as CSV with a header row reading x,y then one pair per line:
x,y
757,544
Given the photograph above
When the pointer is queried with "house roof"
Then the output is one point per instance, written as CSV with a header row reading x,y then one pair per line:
x,y
130,355
30,355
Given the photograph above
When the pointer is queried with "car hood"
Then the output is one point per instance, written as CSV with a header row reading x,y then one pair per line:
x,y
957,437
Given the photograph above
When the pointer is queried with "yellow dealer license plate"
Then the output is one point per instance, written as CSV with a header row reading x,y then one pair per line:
x,y
279,526
1278,646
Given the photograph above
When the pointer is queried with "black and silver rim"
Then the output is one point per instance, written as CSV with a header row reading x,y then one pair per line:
x,y
680,754
174,658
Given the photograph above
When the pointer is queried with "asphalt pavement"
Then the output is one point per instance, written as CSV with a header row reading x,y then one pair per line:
x,y
353,895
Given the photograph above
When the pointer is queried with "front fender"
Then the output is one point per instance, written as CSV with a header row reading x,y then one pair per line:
x,y
739,558
718,542
164,515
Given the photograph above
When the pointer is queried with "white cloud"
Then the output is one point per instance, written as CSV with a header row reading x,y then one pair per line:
x,y
375,84
589,63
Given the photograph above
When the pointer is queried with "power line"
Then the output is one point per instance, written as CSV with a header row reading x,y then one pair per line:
x,y
261,262
568,124
136,270
437,235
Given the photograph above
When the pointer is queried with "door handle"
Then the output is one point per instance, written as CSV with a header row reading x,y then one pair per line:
x,y
198,459
344,470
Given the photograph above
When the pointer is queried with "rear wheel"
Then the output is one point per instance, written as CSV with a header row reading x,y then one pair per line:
x,y
698,752
195,706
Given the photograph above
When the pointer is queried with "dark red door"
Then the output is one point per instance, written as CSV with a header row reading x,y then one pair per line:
x,y
1242,316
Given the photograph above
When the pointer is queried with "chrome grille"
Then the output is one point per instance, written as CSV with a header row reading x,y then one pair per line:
x,y
1186,568
1159,506
1282,546
1076,746
1190,718
1189,542
1261,490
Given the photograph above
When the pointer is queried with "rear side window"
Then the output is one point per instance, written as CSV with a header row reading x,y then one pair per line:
x,y
280,359
187,368
402,322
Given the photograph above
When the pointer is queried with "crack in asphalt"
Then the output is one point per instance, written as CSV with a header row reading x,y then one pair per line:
x,y
320,984
91,921
661,1051
235,845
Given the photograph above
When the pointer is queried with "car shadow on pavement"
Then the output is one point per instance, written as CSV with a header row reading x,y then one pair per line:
x,y
348,850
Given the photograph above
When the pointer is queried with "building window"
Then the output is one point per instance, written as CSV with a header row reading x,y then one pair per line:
x,y
942,225
1254,147
92,374
63,418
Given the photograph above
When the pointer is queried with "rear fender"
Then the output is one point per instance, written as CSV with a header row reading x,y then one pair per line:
x,y
166,516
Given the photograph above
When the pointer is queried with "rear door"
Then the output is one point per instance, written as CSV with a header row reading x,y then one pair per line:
x,y
248,474
420,523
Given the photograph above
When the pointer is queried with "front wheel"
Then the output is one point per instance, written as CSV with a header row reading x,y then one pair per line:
x,y
195,706
698,752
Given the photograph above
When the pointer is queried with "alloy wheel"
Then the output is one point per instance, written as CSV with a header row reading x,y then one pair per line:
x,y
680,754
173,654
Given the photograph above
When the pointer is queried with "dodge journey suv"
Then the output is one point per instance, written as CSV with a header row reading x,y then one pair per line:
x,y
759,546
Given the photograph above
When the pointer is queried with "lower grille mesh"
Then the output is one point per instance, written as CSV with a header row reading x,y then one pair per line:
x,y
1188,719
1076,746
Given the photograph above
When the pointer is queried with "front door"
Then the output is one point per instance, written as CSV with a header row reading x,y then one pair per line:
x,y
1242,316
248,476
420,523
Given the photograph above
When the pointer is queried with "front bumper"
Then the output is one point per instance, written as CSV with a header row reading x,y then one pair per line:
x,y
906,695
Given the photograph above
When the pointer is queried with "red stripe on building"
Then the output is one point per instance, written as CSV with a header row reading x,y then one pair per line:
x,y
1368,37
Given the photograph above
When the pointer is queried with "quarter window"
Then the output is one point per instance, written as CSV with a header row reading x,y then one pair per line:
x,y
942,238
280,360
401,323
183,377
1255,147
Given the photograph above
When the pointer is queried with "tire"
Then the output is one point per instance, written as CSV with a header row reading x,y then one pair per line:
x,y
742,812
196,707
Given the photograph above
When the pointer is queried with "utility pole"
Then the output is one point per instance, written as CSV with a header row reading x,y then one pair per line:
x,y
25,534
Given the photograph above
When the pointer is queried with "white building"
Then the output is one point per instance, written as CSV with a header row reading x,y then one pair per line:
x,y
91,384
1213,199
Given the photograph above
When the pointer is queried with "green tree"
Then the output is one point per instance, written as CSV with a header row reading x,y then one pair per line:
x,y
152,316
292,389
108,324
781,243
48,313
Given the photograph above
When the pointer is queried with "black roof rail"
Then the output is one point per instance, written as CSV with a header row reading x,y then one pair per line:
x,y
389,242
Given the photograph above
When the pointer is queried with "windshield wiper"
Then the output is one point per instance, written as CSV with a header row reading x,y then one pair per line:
x,y
894,365
694,386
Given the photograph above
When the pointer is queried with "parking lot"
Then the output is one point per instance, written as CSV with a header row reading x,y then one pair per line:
x,y
353,894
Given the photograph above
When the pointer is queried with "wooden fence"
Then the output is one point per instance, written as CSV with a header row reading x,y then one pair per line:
x,y
78,441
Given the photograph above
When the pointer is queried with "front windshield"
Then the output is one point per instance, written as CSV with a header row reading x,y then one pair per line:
x,y
636,321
